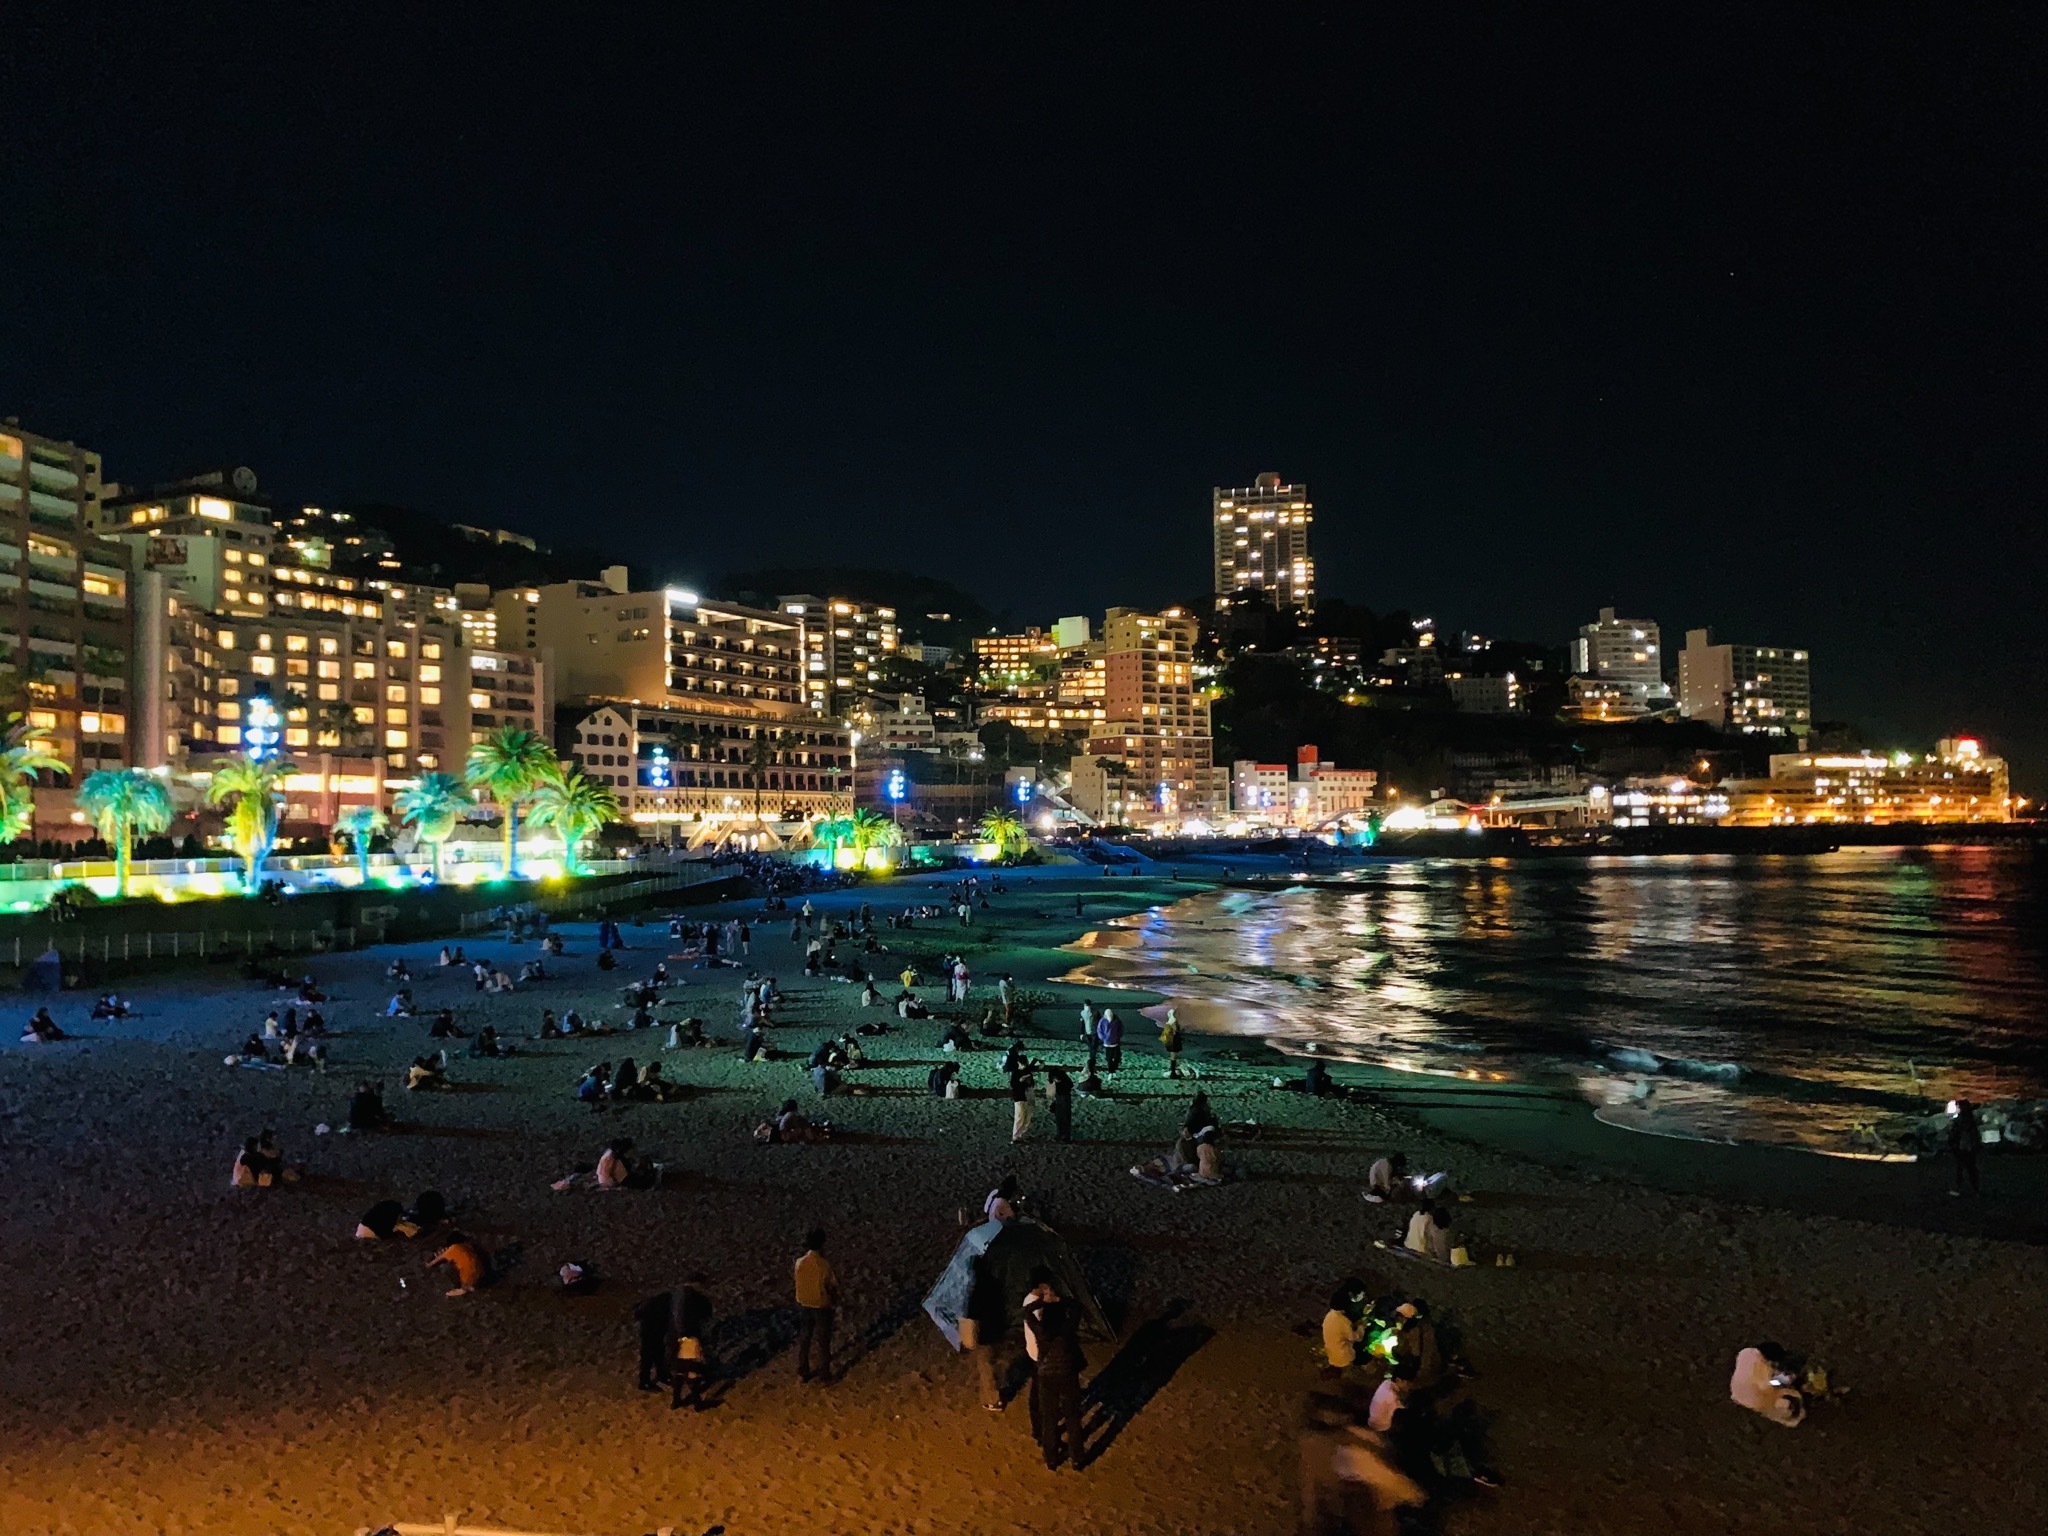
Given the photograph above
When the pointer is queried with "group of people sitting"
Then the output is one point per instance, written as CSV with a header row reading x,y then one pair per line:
x,y
41,1029
1196,1158
427,1073
619,1166
109,1006
260,1164
388,1219
602,1084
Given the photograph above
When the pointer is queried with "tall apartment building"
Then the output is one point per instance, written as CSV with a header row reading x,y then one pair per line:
x,y
1751,689
661,647
1154,738
1620,667
676,765
1262,543
65,633
1016,664
845,641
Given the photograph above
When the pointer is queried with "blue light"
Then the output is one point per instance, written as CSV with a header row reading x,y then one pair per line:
x,y
895,786
657,769
260,730
1023,791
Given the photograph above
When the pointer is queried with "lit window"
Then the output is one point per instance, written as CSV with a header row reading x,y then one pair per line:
x,y
479,701
430,696
263,666
394,738
227,639
431,650
395,648
328,668
230,711
330,691
395,717
295,642
430,674
394,693
363,669
230,735
215,508
365,715
329,646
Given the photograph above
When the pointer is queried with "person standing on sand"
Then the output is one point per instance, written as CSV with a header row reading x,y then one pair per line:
x,y
1021,1083
1052,1339
1061,1089
1088,1023
652,1317
1965,1140
689,1361
817,1298
1109,1029
1169,1041
981,1331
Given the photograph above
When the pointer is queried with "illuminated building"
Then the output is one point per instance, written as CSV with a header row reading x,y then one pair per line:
x,y
1316,791
896,722
661,647
1485,695
65,633
1668,803
1151,758
844,642
1958,782
1262,543
1618,669
509,688
1752,689
1021,665
677,765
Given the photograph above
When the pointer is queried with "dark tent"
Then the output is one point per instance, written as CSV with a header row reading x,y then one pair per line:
x,y
1007,1252
45,973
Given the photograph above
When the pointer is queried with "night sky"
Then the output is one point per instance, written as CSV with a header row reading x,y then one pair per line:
x,y
1732,322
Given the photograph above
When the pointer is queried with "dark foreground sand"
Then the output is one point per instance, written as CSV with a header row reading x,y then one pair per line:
x,y
178,1357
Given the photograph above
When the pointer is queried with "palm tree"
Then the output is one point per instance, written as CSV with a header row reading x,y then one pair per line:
x,y
433,807
359,824
871,829
26,753
575,806
256,786
1006,831
767,749
509,764
339,721
122,802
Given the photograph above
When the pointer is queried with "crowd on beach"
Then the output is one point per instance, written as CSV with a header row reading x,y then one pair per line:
x,y
1393,1424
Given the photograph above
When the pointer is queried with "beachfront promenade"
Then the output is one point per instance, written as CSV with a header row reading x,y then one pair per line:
x,y
183,1357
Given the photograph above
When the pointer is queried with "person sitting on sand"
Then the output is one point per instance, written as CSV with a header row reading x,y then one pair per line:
x,y
109,1007
943,1081
41,1029
1209,1154
253,1048
686,1035
1344,1326
398,970
447,956
384,1221
466,1260
792,1125
486,1043
309,993
366,1110
572,1023
550,1029
1765,1382
617,1168
1429,1234
1001,1203
1387,1179
425,1074
870,994
400,1006
252,1169
657,1088
443,1027
605,961
595,1084
1177,1163
625,1081
428,1211
955,1037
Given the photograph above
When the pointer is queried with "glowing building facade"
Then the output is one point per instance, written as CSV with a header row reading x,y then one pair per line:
x,y
1751,689
1261,540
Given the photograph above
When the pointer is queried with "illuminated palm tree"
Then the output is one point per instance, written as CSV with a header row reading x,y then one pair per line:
x,y
1006,831
27,752
575,805
122,802
256,785
871,829
433,807
509,764
360,824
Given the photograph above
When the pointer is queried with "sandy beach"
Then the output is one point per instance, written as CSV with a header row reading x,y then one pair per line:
x,y
177,1356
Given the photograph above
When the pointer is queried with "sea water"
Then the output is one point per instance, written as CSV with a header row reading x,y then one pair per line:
x,y
1827,1001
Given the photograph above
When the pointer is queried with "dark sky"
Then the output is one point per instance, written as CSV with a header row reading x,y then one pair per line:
x,y
1730,320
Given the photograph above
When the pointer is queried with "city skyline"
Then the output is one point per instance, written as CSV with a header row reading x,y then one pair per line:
x,y
1529,367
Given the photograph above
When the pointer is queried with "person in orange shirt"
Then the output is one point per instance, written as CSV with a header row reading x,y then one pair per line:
x,y
817,1296
467,1260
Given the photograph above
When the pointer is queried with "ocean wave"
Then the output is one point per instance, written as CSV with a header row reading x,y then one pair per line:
x,y
1637,1060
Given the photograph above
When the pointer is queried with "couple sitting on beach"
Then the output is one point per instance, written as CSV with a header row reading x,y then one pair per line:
x,y
790,1125
42,1029
260,1164
387,1219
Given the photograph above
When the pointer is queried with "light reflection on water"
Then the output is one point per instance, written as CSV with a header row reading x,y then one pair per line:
x,y
1845,990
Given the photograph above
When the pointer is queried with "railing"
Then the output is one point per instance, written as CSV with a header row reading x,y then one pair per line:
x,y
173,946
700,873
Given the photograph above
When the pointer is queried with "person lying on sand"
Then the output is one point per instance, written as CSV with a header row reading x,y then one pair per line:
x,y
384,1221
425,1074
41,1029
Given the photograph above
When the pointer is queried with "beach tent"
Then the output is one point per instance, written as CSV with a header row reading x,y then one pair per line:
x,y
45,973
1009,1251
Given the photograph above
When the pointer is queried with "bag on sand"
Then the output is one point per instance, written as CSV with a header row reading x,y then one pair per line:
x,y
1461,1257
690,1349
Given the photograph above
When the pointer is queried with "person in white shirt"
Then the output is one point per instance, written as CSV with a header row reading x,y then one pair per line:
x,y
1001,1204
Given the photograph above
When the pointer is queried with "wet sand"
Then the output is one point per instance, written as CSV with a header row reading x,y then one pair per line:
x,y
182,1357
